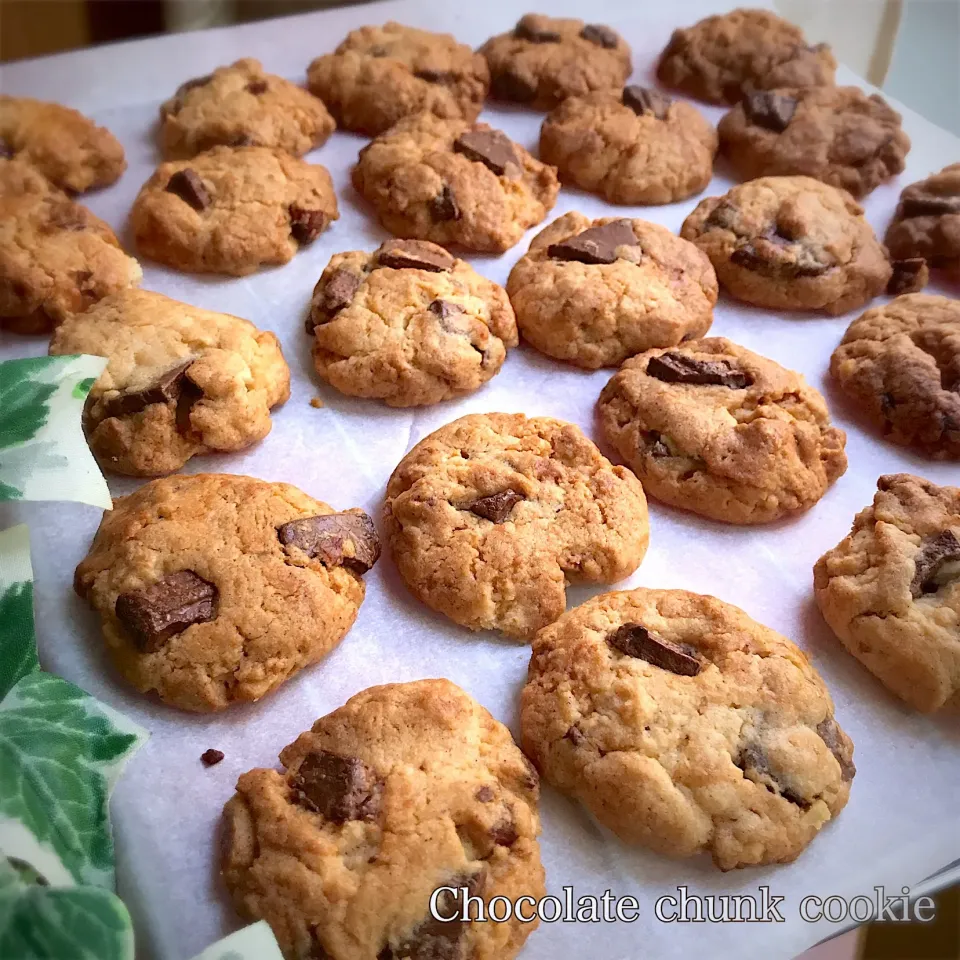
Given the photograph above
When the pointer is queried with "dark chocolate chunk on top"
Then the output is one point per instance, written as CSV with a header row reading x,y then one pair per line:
x,y
338,788
187,185
680,368
600,35
497,507
165,388
643,100
595,245
773,111
156,613
531,29
936,552
414,255
493,148
335,539
635,640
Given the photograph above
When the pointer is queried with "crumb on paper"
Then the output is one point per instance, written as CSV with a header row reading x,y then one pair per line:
x,y
316,402
211,757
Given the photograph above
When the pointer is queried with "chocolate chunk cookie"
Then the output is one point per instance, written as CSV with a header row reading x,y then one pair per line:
x,y
231,210
241,106
405,789
713,428
927,222
595,292
56,257
723,57
835,134
180,381
901,364
408,324
454,183
633,146
380,75
791,243
891,590
687,727
544,60
490,516
69,149
216,588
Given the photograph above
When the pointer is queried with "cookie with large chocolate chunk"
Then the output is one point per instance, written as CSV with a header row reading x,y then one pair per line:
x,y
406,791
649,705
205,602
890,590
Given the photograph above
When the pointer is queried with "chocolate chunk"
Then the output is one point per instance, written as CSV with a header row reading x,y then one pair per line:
x,y
414,255
485,794
829,733
600,35
190,394
435,76
772,111
165,388
306,225
188,186
935,553
909,276
156,613
338,788
768,256
575,735
723,215
752,757
529,28
497,507
211,757
340,290
444,308
492,148
679,368
6,150
657,447
595,244
256,87
504,832
927,205
643,100
443,206
509,85
635,640
335,539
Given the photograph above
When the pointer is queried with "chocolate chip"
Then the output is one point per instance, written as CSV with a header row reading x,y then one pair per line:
x,y
6,150
485,794
414,255
156,613
256,87
909,276
927,205
504,832
643,100
211,757
338,788
635,640
829,733
680,368
509,85
340,290
772,111
769,256
443,206
165,388
492,148
442,309
188,186
190,394
935,553
306,225
595,244
497,507
335,539
600,35
530,29
435,76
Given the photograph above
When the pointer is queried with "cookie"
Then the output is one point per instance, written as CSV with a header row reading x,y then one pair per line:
x,y
56,257
215,588
490,517
231,210
405,789
791,243
408,324
379,75
595,292
927,222
723,57
544,60
180,381
716,429
69,149
900,363
839,135
242,106
454,183
685,726
633,146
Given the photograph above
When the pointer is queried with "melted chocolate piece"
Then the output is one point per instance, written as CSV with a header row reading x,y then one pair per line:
x,y
772,111
155,614
256,87
443,206
338,788
643,100
935,553
829,733
188,186
497,507
635,640
679,368
600,35
414,255
492,148
340,290
909,276
335,539
595,244
442,309
165,388
306,225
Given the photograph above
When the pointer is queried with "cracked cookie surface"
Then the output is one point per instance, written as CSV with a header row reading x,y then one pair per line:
x,y
180,381
711,427
839,135
687,727
544,60
454,183
379,75
632,146
69,149
890,590
406,788
595,292
56,257
216,588
490,517
408,324
240,106
723,57
791,243
232,209
901,364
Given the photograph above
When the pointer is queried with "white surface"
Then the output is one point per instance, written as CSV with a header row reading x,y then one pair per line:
x,y
901,823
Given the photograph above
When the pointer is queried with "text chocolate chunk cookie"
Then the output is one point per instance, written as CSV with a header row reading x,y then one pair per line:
x,y
489,517
405,789
687,727
713,428
215,588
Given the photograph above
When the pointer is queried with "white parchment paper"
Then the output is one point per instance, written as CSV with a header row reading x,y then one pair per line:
x,y
901,823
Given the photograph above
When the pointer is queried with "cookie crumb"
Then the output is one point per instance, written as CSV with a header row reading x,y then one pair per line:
x,y
316,403
211,757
